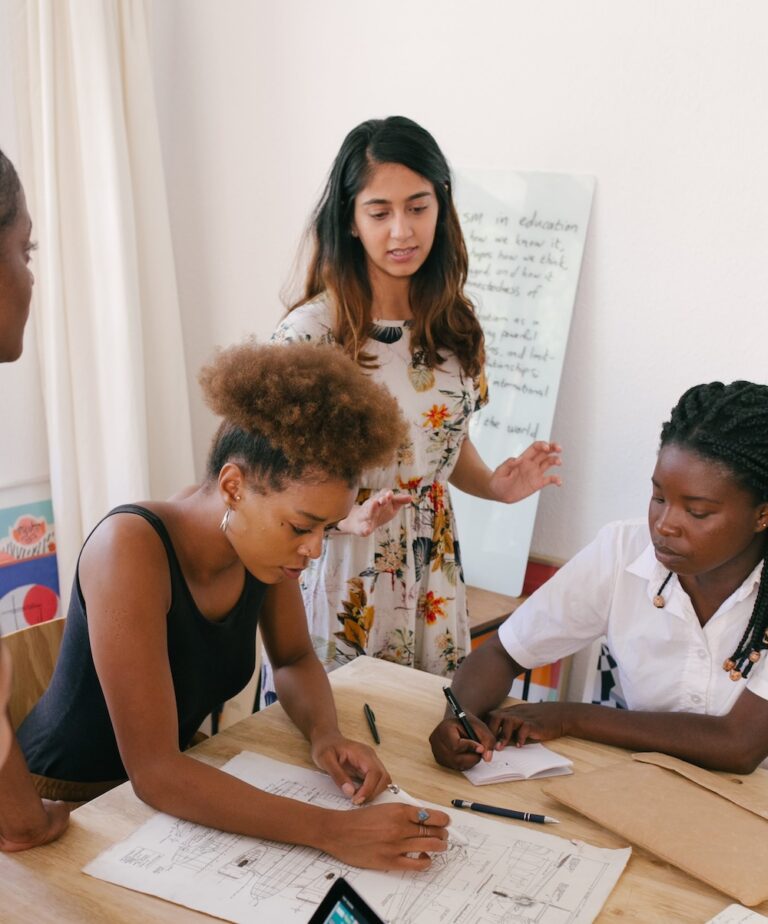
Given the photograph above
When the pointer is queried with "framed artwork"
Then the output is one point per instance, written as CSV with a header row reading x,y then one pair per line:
x,y
29,579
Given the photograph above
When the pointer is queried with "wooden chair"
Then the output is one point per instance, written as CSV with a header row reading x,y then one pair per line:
x,y
34,651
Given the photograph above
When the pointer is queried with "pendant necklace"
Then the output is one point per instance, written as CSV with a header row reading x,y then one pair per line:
x,y
658,600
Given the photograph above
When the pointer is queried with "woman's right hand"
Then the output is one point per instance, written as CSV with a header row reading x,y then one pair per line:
x,y
386,836
453,749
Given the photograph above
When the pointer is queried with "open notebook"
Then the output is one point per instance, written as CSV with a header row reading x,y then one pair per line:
x,y
530,762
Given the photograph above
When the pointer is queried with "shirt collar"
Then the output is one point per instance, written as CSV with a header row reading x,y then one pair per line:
x,y
647,566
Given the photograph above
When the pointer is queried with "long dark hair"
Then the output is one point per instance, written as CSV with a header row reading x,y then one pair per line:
x,y
443,315
729,425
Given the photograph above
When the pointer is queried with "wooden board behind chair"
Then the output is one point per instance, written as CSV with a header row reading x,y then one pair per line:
x,y
34,651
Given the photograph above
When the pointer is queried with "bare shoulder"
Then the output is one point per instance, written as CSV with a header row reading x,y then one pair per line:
x,y
125,558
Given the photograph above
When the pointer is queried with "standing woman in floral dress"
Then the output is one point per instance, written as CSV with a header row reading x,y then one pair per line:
x,y
386,284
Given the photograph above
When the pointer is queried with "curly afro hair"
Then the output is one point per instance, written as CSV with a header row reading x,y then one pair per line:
x,y
298,410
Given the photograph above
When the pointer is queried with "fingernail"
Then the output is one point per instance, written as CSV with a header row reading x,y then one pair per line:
x,y
348,789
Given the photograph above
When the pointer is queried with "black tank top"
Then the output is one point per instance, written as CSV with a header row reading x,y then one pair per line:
x,y
69,735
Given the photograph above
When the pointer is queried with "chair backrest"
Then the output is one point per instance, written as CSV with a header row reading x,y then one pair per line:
x,y
34,651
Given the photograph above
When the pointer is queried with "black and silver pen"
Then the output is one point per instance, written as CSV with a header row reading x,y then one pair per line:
x,y
460,714
505,813
371,719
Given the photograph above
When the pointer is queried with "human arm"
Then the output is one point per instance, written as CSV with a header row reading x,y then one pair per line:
x,y
26,820
516,477
736,742
125,581
482,681
305,694
379,509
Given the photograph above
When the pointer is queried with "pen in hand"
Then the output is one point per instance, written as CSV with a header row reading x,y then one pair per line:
x,y
371,719
460,715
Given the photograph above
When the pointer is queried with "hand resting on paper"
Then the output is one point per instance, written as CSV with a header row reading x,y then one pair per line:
x,y
527,722
514,725
386,837
353,766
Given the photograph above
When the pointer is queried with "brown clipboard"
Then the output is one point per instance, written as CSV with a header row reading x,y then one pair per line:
x,y
713,826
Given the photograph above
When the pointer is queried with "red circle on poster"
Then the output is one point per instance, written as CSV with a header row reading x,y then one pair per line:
x,y
40,604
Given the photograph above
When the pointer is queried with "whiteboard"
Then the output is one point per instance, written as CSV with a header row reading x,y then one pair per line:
x,y
525,236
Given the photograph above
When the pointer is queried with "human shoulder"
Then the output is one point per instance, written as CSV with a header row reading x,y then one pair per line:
x,y
312,322
124,555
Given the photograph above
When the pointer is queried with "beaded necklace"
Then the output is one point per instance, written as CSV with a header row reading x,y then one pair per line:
x,y
729,665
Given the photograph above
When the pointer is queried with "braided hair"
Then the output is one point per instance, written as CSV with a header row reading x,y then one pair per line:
x,y
729,424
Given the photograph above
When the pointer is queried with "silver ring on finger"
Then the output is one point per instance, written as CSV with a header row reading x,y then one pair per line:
x,y
423,831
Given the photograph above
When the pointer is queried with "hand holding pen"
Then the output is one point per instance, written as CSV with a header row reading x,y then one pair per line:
x,y
460,747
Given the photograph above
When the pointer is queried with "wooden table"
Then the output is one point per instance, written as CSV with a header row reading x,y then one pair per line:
x,y
46,885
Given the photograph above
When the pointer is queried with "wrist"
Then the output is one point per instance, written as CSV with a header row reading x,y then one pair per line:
x,y
570,715
317,826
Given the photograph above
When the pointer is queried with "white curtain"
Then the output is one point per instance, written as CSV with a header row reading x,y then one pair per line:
x,y
106,305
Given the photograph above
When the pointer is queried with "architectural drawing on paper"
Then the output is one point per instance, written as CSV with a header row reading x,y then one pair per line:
x,y
506,874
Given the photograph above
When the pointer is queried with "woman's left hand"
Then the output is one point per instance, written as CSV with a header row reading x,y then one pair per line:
x,y
352,765
527,722
379,509
525,474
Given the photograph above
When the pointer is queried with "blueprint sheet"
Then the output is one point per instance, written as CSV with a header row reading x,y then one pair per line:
x,y
505,875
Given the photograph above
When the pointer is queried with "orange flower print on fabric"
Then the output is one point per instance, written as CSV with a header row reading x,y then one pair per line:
x,y
437,496
436,416
432,607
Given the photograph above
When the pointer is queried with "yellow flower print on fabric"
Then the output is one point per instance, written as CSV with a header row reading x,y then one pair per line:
x,y
357,617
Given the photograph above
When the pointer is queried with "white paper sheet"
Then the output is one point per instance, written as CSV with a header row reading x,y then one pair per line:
x,y
506,873
530,762
737,914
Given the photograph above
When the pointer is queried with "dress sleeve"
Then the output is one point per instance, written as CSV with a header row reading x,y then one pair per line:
x,y
306,324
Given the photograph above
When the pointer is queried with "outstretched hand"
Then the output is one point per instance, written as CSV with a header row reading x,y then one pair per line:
x,y
523,475
379,509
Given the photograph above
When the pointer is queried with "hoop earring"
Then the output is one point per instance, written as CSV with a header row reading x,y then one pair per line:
x,y
224,525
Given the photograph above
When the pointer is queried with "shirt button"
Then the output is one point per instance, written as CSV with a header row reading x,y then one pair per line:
x,y
695,698
702,653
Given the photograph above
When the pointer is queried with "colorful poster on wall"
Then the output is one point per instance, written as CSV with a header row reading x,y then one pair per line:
x,y
29,579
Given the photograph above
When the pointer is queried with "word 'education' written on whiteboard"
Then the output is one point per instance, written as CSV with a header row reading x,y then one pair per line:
x,y
525,235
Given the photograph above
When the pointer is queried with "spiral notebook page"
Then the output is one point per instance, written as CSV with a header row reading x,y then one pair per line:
x,y
532,761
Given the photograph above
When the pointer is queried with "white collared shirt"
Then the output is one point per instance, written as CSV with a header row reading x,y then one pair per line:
x,y
665,660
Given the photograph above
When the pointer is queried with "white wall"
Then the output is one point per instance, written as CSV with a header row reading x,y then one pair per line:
x,y
664,102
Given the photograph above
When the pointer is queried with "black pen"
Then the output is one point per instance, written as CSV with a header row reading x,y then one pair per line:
x,y
371,719
460,714
506,813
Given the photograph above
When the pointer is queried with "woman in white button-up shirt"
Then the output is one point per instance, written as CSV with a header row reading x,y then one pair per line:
x,y
685,611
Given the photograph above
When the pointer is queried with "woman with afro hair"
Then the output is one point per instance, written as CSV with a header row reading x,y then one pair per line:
x,y
166,600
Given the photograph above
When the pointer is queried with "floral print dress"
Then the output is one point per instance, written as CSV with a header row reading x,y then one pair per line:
x,y
398,594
